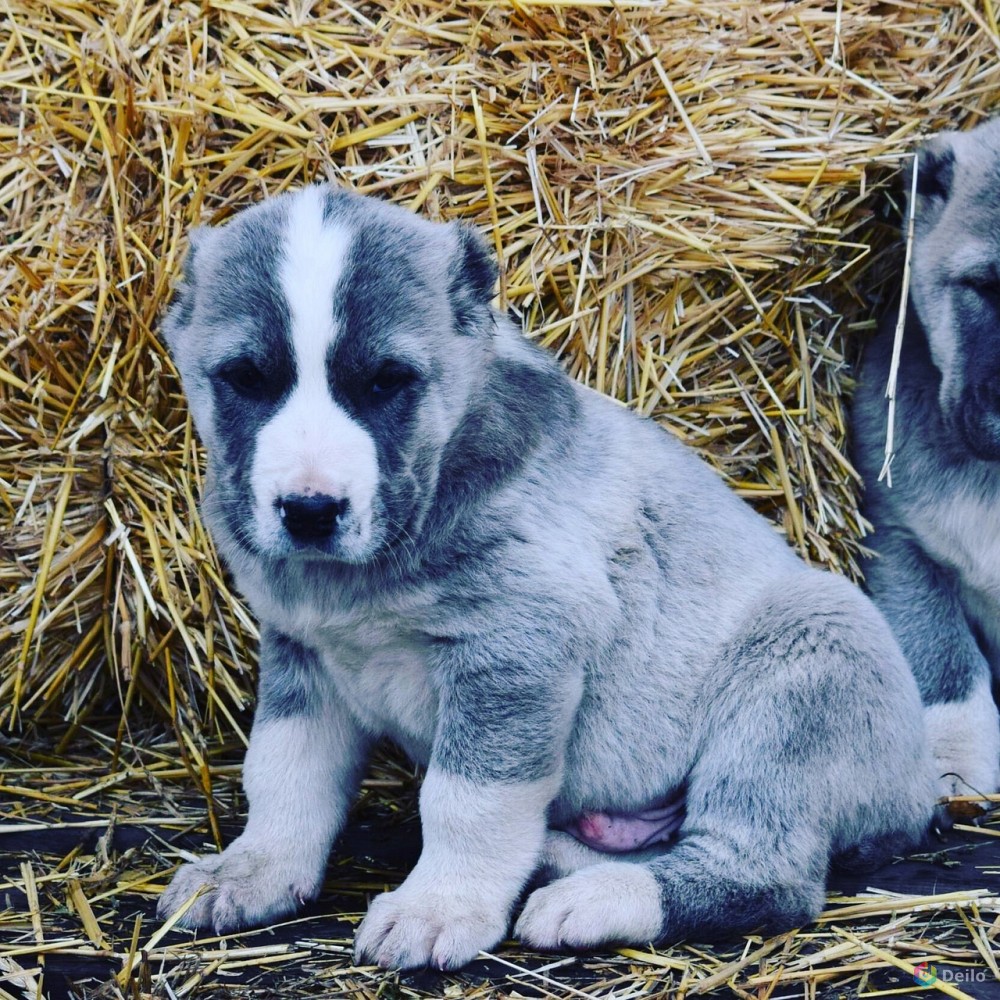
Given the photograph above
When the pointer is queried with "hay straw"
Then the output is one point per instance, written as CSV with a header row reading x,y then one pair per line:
x,y
687,202
897,340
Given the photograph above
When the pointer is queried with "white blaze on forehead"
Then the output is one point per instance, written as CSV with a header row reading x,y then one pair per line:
x,y
311,445
312,265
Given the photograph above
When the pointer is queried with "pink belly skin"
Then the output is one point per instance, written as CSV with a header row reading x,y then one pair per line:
x,y
617,833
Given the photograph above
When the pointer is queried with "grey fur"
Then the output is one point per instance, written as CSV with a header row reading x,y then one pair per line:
x,y
292,677
564,611
937,529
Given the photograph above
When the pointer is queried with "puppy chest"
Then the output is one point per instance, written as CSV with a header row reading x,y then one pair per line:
x,y
385,682
964,534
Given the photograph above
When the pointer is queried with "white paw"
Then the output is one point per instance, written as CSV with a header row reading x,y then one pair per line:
x,y
965,741
445,928
247,885
615,901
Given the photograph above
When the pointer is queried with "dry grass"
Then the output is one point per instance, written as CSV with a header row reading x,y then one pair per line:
x,y
685,197
81,903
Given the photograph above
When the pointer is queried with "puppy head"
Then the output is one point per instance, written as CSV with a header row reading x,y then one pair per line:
x,y
328,345
955,279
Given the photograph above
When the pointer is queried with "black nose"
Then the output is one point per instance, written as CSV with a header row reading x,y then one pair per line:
x,y
310,518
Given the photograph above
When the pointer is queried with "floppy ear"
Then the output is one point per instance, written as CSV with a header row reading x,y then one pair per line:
x,y
935,167
182,301
473,275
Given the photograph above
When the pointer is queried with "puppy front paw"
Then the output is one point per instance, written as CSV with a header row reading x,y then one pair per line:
x,y
965,742
245,886
409,928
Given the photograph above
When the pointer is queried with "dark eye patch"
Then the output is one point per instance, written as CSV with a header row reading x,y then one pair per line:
x,y
250,379
390,378
985,282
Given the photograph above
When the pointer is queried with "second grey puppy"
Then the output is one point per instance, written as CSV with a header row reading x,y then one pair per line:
x,y
549,603
936,576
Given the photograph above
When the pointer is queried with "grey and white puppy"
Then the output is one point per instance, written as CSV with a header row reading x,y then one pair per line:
x,y
547,602
937,529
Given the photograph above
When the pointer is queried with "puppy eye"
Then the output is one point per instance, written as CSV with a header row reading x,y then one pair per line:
x,y
244,377
983,283
390,379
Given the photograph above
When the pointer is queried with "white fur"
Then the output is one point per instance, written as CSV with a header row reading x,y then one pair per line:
x,y
380,672
387,686
481,844
295,780
965,740
314,256
963,532
614,901
312,446
563,854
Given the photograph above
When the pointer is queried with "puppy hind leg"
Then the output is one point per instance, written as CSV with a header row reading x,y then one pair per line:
x,y
811,743
750,855
747,857
709,886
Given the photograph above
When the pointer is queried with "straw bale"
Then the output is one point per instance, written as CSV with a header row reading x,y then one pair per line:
x,y
684,198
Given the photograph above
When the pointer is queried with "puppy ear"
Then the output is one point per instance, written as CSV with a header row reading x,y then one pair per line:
x,y
473,276
178,315
935,166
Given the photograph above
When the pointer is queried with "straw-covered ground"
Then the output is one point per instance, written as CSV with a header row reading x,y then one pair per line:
x,y
692,205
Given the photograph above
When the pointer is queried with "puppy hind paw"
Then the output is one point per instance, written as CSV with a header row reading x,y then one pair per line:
x,y
610,902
